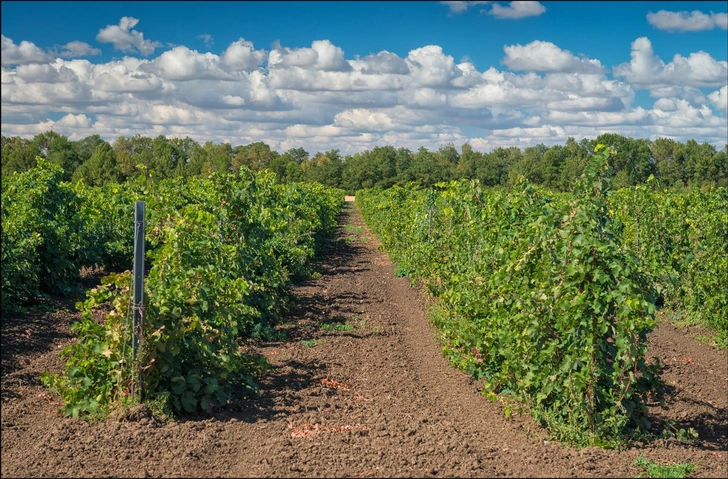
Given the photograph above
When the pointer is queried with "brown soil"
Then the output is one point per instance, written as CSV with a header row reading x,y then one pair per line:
x,y
360,390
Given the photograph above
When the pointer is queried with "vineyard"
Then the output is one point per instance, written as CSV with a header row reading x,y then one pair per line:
x,y
550,297
222,253
279,340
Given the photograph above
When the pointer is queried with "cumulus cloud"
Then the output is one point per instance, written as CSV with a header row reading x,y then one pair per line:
x,y
181,63
241,55
78,49
518,9
125,39
384,62
23,53
431,67
547,57
646,70
44,73
314,97
720,98
74,121
323,55
687,21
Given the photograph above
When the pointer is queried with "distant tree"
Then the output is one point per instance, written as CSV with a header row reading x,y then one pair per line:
x,y
101,168
58,150
493,170
216,158
299,155
426,168
187,148
703,165
167,160
633,161
324,168
403,165
577,157
18,155
448,159
530,166
467,165
669,157
86,147
256,156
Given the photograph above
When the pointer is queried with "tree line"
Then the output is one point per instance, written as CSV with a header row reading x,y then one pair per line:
x,y
674,164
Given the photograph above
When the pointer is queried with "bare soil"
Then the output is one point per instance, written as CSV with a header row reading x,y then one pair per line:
x,y
360,389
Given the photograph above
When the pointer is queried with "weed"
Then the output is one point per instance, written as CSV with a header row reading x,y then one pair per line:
x,y
401,272
653,469
337,327
354,229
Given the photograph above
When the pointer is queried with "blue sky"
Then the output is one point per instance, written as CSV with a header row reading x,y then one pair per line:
x,y
354,75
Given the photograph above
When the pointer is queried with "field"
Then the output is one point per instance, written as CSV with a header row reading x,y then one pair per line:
x,y
358,388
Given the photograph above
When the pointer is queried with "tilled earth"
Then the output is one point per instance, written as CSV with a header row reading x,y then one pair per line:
x,y
359,390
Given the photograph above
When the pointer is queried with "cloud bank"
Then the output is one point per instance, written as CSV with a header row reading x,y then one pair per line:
x,y
319,98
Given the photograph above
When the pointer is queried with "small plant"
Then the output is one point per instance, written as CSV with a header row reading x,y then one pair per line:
x,y
338,327
682,435
349,326
309,343
354,229
653,469
402,272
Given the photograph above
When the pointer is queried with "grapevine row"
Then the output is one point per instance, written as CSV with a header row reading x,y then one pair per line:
x,y
549,297
221,255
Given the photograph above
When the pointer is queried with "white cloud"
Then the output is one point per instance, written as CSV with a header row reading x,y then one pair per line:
x,y
518,9
74,121
207,39
461,6
646,70
720,98
242,56
322,55
431,67
126,40
384,62
547,57
44,73
25,52
687,21
181,63
316,98
78,49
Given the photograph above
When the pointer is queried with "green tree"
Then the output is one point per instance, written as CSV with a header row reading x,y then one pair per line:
x,y
633,162
58,150
18,155
700,164
256,156
669,156
530,166
493,170
101,168
86,147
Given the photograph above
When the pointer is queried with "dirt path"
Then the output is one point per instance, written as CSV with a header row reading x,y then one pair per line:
x,y
360,390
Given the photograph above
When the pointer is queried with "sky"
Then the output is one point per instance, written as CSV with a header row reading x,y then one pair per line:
x,y
356,75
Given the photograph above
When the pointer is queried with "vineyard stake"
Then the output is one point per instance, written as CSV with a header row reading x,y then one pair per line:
x,y
138,317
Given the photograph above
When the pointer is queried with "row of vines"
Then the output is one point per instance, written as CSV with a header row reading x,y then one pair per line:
x,y
549,297
221,255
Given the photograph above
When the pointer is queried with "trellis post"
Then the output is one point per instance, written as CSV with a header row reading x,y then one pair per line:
x,y
138,274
